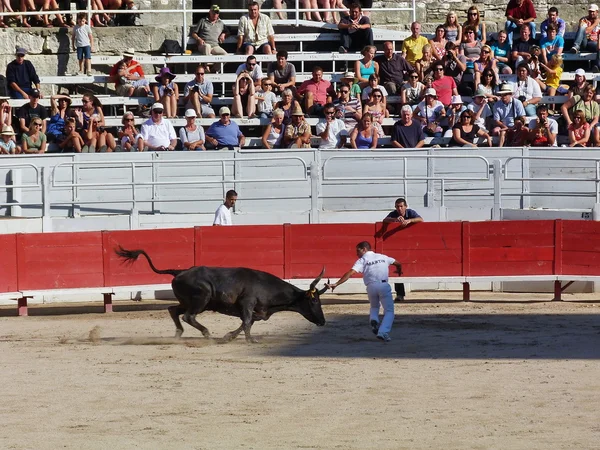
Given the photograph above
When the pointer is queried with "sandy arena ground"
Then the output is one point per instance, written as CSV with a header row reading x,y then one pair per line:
x,y
503,372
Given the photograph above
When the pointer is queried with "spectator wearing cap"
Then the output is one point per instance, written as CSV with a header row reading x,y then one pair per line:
x,y
315,92
350,79
21,77
580,83
393,69
355,30
407,133
527,90
586,38
166,92
453,112
282,73
255,32
157,133
297,134
30,111
481,109
506,110
553,19
252,67
198,94
430,113
128,76
444,85
128,134
191,136
8,146
211,33
225,134
519,13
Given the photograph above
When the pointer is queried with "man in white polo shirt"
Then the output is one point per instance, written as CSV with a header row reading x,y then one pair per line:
x,y
157,133
374,268
223,212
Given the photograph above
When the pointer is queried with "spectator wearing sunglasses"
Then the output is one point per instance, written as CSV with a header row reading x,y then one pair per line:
x,y
349,109
198,94
157,133
253,68
34,141
444,85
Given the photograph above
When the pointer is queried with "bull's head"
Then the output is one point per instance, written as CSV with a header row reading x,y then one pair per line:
x,y
314,312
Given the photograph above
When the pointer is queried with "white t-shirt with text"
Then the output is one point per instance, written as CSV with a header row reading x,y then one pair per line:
x,y
374,267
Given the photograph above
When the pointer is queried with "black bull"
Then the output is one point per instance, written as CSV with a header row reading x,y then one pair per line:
x,y
235,291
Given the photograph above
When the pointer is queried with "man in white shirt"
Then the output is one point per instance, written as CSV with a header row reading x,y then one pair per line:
x,y
332,131
374,268
157,133
223,213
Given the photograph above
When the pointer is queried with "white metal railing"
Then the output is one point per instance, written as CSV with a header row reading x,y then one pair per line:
x,y
405,176
136,184
17,186
527,177
296,13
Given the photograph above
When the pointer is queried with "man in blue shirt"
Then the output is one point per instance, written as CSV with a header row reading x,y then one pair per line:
x,y
224,133
555,20
21,75
405,216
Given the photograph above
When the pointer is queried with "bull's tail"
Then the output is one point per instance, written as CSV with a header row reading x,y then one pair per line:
x,y
132,255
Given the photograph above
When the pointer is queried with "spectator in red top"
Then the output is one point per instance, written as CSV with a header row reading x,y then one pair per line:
x,y
315,93
444,85
128,77
587,33
518,13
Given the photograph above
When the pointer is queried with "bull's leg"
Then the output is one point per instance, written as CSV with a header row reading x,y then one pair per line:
x,y
175,311
233,334
246,314
197,304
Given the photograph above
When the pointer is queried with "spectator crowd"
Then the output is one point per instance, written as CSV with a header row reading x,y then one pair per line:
x,y
460,84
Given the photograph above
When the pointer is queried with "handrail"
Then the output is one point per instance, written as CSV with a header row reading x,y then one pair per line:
x,y
405,177
595,179
37,184
296,12
133,165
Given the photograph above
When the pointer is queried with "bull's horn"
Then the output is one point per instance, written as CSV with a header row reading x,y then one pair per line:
x,y
314,283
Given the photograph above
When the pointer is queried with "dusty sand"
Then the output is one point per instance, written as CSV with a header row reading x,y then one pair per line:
x,y
506,372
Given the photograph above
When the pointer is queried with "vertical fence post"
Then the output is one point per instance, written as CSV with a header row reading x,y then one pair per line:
x,y
314,192
184,30
46,216
496,211
287,251
297,6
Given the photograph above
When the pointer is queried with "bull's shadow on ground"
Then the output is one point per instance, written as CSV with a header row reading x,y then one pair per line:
x,y
451,336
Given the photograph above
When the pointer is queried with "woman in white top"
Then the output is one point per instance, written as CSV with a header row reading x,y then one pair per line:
x,y
192,136
430,113
412,90
273,134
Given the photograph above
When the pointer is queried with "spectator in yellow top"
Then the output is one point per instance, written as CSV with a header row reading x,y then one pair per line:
x,y
412,47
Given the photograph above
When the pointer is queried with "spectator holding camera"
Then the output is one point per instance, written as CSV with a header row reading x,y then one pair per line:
x,y
198,94
454,63
527,90
548,123
157,133
166,92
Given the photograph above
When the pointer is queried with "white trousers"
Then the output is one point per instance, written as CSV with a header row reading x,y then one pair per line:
x,y
381,294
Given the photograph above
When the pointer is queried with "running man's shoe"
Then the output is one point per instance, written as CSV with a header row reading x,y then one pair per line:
x,y
385,337
375,327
